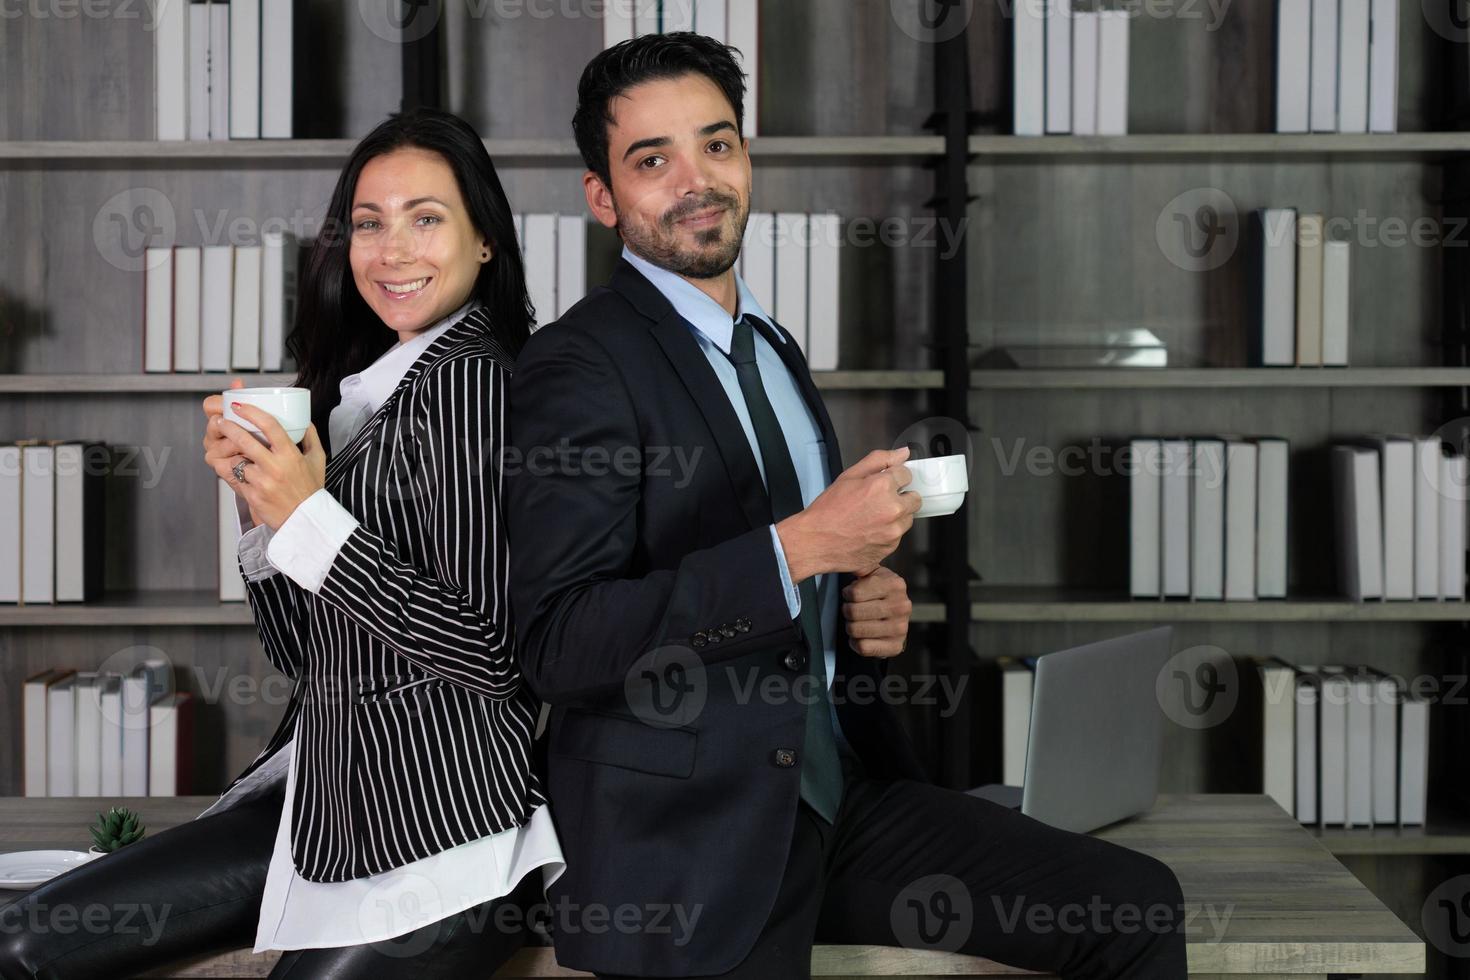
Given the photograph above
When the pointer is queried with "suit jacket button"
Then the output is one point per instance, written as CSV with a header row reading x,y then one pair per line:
x,y
727,631
794,661
743,625
714,636
698,640
785,758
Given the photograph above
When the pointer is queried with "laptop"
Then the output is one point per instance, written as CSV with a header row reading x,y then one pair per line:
x,y
1092,756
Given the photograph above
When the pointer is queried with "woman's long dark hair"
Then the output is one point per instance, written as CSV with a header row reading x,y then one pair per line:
x,y
335,333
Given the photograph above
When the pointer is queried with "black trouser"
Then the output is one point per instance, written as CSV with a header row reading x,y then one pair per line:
x,y
908,864
195,889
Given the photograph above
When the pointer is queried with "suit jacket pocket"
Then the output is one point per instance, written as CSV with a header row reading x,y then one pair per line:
x,y
397,689
616,740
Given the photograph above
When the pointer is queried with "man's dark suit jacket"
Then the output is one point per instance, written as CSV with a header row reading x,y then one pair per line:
x,y
618,551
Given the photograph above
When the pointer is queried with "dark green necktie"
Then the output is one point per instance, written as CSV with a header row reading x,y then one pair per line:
x,y
821,770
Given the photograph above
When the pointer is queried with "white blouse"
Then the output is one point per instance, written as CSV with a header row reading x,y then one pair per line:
x,y
300,914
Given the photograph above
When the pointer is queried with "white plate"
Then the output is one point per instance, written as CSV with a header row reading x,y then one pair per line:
x,y
27,869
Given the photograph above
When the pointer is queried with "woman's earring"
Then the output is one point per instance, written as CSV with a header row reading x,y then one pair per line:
x,y
485,255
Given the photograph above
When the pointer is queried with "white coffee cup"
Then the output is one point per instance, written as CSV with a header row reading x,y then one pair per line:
x,y
942,481
290,406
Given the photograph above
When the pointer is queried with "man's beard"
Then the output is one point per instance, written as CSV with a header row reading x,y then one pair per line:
x,y
659,243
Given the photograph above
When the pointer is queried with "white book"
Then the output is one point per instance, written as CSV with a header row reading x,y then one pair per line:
x,y
710,17
1359,522
61,738
758,259
1336,309
10,516
1324,66
38,524
571,261
539,245
89,733
109,688
1016,683
1275,342
197,23
1396,472
277,40
171,70
1145,517
245,309
1452,492
219,70
33,725
1176,485
1308,699
1272,461
244,69
277,296
1029,59
645,17
1241,484
231,583
1426,518
1332,748
742,32
824,312
1059,66
79,522
1386,697
1413,762
216,305
1360,752
1278,735
617,23
1383,68
171,729
158,309
677,15
188,274
1309,234
1112,72
1352,66
1207,529
136,698
1084,72
1293,66
793,237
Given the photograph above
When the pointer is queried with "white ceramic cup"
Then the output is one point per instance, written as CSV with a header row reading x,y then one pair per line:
x,y
942,481
290,406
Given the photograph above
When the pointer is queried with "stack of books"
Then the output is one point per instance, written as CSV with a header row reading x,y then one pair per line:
x,y
222,69
1301,288
1071,68
792,263
1343,746
1207,518
554,247
107,734
219,307
732,22
1400,518
53,514
1337,66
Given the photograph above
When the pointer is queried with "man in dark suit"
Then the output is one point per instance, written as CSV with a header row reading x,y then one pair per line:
x,y
699,597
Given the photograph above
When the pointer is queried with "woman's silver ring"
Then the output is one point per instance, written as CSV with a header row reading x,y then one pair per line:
x,y
239,470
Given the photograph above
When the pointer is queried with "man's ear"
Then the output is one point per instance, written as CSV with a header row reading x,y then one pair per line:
x,y
599,199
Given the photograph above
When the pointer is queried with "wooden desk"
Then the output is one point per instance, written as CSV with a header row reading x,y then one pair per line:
x,y
1264,897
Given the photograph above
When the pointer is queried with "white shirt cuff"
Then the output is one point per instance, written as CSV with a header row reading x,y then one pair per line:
x,y
793,594
307,544
254,561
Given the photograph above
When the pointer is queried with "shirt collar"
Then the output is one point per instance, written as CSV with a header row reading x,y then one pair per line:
x,y
696,307
374,383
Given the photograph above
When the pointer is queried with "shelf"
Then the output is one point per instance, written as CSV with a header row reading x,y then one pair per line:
x,y
1375,145
1039,380
1023,604
1441,836
511,152
155,608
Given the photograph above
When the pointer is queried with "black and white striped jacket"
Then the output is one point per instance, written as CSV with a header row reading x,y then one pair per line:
x,y
415,727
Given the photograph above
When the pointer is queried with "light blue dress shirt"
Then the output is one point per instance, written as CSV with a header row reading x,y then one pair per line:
x,y
714,329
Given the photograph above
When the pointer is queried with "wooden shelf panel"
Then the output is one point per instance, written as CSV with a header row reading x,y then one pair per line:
x,y
1375,145
1441,836
1021,604
151,608
1149,378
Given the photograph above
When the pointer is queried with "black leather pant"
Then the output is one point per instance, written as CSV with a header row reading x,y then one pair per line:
x,y
195,890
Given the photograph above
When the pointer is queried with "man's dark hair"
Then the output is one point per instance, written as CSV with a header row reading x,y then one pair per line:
x,y
645,59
